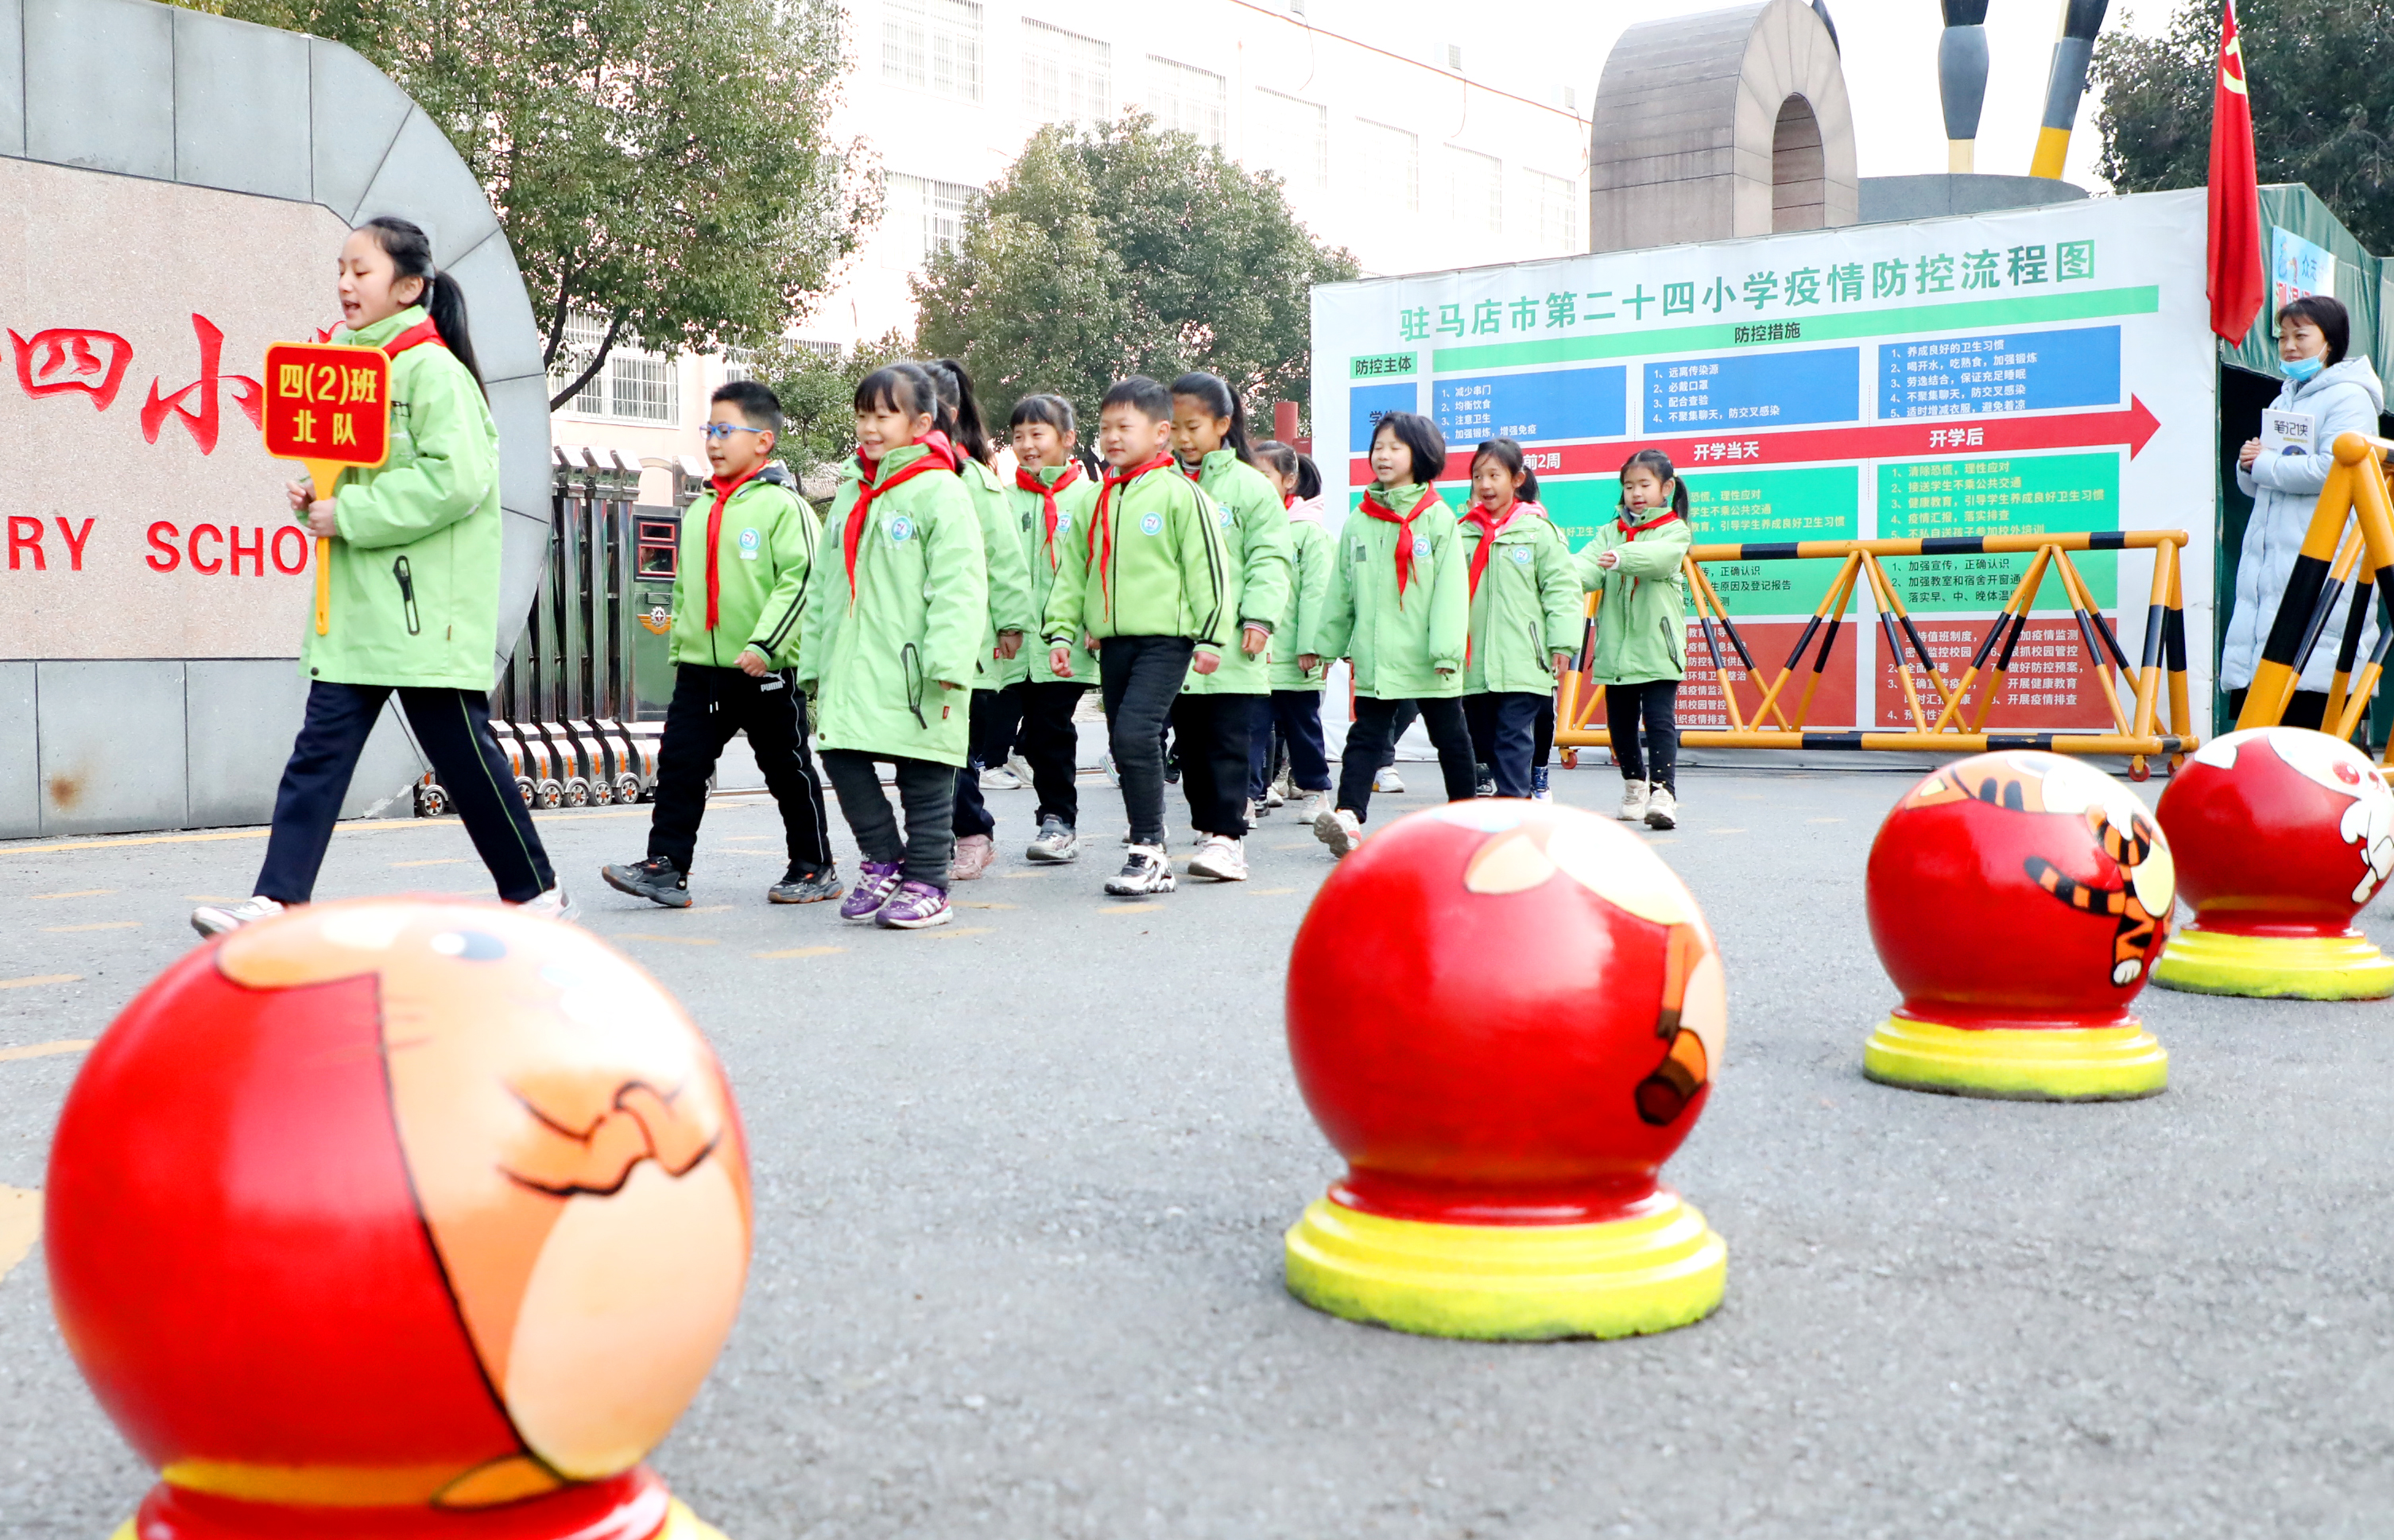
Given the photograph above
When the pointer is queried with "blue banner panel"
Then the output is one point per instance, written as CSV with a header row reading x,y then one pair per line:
x,y
1964,376
1748,391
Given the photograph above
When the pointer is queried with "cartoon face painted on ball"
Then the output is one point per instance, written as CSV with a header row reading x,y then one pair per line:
x,y
2368,822
572,1147
2046,784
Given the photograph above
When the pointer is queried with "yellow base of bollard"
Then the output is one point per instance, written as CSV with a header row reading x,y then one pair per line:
x,y
2272,968
1520,1282
681,1524
2063,1064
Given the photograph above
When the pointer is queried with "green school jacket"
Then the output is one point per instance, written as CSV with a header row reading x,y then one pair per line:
x,y
765,559
877,650
1641,627
1528,608
1150,564
1255,537
414,565
1312,552
1009,579
1043,559
1398,645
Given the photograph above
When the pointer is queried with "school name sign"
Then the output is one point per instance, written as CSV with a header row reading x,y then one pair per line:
x,y
2037,370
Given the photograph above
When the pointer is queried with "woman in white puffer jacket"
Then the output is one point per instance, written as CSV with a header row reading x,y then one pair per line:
x,y
2341,395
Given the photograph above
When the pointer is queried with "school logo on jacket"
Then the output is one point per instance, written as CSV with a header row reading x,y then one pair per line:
x,y
1151,524
1520,555
902,528
749,540
1421,545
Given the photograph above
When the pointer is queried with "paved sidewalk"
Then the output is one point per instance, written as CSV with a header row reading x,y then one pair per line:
x,y
1020,1185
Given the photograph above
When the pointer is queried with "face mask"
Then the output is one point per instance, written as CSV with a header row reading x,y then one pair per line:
x,y
2300,370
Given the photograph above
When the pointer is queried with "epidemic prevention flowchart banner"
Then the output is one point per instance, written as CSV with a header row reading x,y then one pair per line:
x,y
2036,370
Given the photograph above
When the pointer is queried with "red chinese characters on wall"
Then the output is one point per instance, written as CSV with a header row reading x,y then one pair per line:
x,y
64,360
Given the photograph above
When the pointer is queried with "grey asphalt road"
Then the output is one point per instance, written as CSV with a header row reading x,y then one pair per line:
x,y
1020,1187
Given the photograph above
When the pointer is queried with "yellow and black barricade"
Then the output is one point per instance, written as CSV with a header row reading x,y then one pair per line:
x,y
1771,725
2351,530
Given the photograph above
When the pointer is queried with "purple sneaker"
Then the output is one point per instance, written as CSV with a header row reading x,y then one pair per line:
x,y
874,882
915,906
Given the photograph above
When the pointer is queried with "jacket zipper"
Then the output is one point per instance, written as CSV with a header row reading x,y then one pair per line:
x,y
406,576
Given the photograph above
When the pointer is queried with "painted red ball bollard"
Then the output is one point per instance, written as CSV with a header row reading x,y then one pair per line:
x,y
1505,1016
2283,836
397,1220
2017,901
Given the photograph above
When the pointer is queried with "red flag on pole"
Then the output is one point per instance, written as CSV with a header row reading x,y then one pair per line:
x,y
2237,277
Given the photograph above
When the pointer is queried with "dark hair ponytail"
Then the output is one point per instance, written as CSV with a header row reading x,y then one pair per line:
x,y
1220,400
411,256
1505,452
965,426
1659,464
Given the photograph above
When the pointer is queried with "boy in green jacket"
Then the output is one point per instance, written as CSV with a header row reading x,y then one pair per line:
x,y
1150,582
892,645
1219,714
1640,652
1526,600
738,589
1052,496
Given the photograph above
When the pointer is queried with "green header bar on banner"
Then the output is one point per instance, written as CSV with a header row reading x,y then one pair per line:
x,y
1713,337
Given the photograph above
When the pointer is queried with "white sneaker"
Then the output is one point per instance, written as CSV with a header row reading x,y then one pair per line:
x,y
211,920
999,778
1020,767
1662,809
1633,801
1315,807
556,904
1221,858
1145,871
1388,781
1057,843
1339,829
1274,797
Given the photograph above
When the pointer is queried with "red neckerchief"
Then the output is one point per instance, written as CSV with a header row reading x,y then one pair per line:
x,y
1377,509
1288,500
723,491
1489,525
1028,481
936,456
1631,531
1100,522
414,336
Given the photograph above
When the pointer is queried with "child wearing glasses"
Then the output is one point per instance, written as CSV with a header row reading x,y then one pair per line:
x,y
747,562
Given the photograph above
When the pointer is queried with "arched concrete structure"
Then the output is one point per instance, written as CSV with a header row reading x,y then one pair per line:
x,y
1731,123
263,145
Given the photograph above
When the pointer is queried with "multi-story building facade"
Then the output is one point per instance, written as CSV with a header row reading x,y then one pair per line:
x,y
1406,147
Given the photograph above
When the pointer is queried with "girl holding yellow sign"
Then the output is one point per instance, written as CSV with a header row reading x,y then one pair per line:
x,y
412,564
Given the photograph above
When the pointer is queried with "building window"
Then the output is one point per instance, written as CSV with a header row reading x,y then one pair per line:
x,y
1553,202
923,216
1475,191
933,46
1390,162
1187,101
1291,137
631,385
1066,78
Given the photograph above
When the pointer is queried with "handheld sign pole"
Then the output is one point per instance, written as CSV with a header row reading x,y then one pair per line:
x,y
329,408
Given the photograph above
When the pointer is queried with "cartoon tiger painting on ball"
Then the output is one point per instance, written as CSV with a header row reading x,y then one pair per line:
x,y
2138,891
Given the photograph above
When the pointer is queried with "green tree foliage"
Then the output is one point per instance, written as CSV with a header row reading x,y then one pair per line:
x,y
2322,82
818,394
1123,250
663,166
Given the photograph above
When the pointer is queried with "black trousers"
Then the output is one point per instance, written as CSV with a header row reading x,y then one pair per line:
x,y
927,789
1052,745
1406,712
1546,744
1216,736
1504,734
1370,745
2307,708
453,728
1644,722
1296,729
993,714
1141,677
710,707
